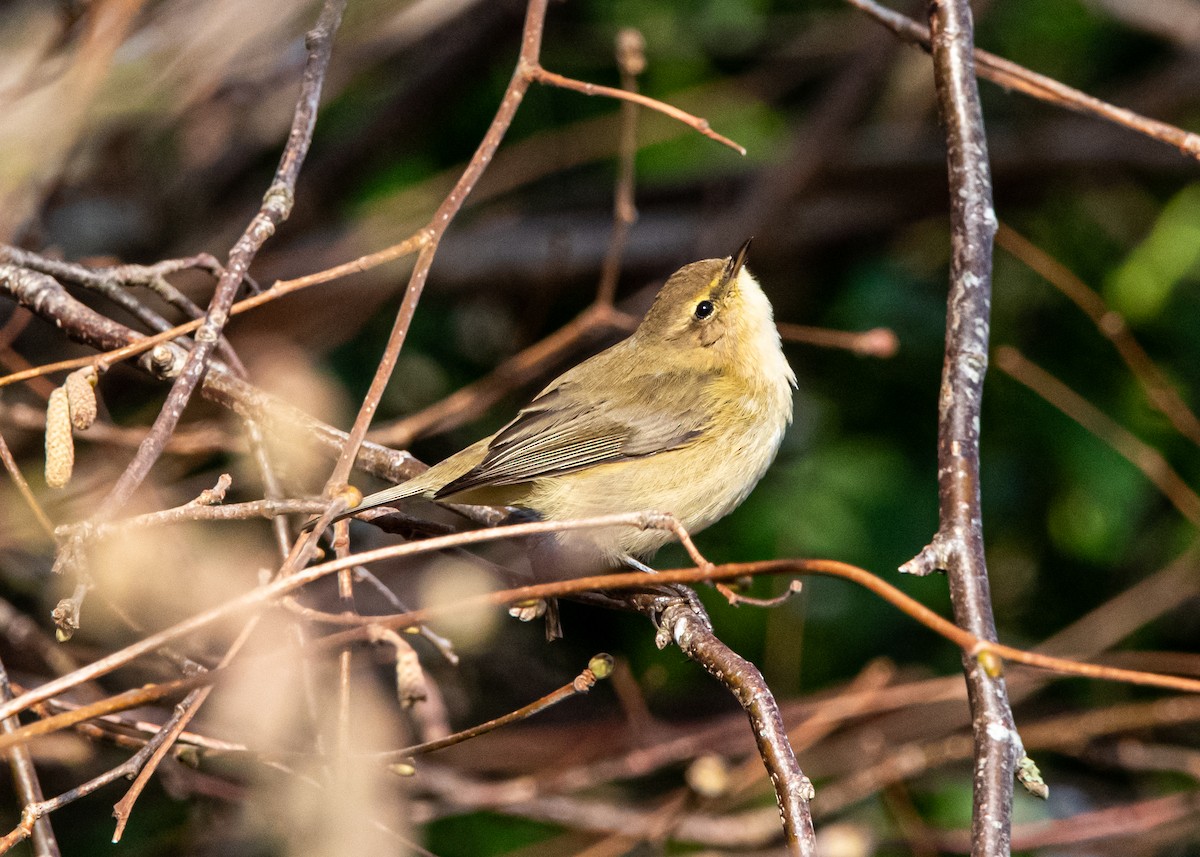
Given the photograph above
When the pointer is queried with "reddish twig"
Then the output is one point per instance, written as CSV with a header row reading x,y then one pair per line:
x,y
971,645
533,71
876,342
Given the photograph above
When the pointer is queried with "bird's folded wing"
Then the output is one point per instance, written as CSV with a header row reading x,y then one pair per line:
x,y
558,433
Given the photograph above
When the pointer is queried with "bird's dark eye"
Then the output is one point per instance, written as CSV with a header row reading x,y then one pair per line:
x,y
704,309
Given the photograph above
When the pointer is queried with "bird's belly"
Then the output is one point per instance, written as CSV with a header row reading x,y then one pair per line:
x,y
698,485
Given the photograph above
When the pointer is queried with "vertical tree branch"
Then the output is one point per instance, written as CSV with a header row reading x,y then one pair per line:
x,y
958,545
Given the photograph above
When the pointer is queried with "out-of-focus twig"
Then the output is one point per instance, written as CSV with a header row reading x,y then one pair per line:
x,y
18,478
631,62
534,71
877,342
1153,465
1160,392
25,780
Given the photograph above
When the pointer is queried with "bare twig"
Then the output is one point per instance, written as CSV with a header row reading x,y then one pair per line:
x,y
793,790
471,400
957,546
1012,76
531,41
277,204
40,809
533,71
598,668
18,478
48,299
369,626
25,779
1160,392
876,342
1153,465
171,730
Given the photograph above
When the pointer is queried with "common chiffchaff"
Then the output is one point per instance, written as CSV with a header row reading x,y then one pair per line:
x,y
684,416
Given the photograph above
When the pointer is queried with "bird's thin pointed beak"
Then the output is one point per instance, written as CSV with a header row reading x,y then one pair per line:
x,y
739,260
734,266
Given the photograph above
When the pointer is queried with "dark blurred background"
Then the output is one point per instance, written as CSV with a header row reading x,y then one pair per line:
x,y
157,137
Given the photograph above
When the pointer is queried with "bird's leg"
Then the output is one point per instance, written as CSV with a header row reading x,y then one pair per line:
x,y
685,592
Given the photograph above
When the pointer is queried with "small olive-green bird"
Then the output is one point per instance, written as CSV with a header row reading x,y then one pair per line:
x,y
684,416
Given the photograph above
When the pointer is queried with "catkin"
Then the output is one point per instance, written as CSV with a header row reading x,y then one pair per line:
x,y
60,445
410,679
81,396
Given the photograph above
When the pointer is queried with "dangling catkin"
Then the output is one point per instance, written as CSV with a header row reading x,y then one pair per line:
x,y
60,445
81,396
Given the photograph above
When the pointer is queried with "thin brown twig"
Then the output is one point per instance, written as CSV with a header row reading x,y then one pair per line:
x,y
276,207
48,299
631,62
971,645
876,342
40,809
468,402
1161,393
533,71
18,478
172,729
278,290
1153,465
25,779
1064,733
1012,76
111,283
531,40
582,684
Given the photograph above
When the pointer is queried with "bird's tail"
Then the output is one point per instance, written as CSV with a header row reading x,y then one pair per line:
x,y
411,488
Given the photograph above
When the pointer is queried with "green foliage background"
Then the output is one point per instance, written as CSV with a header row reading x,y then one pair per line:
x,y
1069,523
